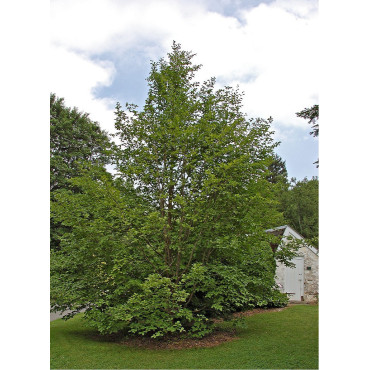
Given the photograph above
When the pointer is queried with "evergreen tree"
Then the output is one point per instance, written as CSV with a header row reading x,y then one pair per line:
x,y
278,171
312,115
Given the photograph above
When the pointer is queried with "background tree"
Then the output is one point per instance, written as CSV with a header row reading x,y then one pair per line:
x,y
178,237
300,205
312,115
278,172
75,143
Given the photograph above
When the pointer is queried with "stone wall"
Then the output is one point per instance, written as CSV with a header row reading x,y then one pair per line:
x,y
280,276
311,274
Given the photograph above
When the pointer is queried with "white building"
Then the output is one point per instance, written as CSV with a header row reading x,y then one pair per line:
x,y
302,281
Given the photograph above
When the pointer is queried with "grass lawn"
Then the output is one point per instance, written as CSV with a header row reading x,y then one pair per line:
x,y
272,340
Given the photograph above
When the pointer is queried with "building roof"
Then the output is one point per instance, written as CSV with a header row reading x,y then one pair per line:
x,y
281,230
286,230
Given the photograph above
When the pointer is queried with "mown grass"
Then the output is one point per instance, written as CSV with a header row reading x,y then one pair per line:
x,y
271,340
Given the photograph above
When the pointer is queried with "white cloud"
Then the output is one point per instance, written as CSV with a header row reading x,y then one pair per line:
x,y
300,8
272,54
74,77
96,26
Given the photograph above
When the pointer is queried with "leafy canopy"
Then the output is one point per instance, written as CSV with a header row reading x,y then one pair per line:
x,y
75,142
177,238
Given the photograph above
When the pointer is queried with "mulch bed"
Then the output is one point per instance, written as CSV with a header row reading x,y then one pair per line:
x,y
255,311
216,338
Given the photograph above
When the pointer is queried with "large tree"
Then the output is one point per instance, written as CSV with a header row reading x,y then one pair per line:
x,y
75,143
179,236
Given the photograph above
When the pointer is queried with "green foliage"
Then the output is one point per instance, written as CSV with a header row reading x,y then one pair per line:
x,y
156,309
314,241
278,171
288,250
75,143
276,299
312,115
74,140
300,205
178,236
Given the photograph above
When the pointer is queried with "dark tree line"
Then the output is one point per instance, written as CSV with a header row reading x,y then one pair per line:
x,y
75,143
298,200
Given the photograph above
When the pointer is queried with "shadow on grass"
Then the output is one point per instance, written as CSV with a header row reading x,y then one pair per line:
x,y
95,336
218,336
235,327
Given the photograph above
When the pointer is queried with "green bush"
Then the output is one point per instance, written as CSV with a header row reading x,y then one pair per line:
x,y
157,309
277,299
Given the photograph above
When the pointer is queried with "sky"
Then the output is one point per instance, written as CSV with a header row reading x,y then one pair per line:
x,y
101,52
